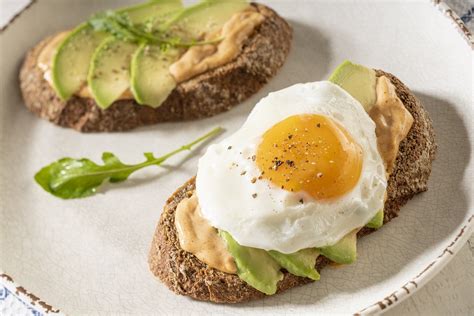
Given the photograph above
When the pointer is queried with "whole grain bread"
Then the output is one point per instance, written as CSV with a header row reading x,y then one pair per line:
x,y
184,274
210,93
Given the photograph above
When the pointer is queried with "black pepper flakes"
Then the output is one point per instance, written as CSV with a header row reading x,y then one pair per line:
x,y
276,164
290,163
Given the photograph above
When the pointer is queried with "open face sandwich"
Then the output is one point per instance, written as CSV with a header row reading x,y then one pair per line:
x,y
154,62
315,167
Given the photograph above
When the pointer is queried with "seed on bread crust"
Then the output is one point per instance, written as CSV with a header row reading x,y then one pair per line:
x,y
184,274
208,94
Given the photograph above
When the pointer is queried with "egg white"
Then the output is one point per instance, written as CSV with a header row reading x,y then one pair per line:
x,y
262,215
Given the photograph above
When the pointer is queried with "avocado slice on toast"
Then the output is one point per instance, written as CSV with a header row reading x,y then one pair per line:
x,y
344,251
151,81
301,263
359,81
254,266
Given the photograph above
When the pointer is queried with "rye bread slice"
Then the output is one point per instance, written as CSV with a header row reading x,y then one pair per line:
x,y
184,274
208,94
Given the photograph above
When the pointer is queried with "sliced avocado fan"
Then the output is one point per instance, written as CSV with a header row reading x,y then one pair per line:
x,y
261,269
109,65
358,81
71,62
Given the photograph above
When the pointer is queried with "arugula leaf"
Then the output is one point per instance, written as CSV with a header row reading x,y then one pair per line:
x,y
70,178
120,26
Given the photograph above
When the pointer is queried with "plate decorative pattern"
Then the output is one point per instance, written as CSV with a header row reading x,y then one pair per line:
x,y
414,284
459,22
16,300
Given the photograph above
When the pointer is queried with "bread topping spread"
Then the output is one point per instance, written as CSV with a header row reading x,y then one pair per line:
x,y
198,237
199,59
392,121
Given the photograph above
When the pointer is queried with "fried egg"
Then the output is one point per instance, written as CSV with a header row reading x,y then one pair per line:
x,y
303,171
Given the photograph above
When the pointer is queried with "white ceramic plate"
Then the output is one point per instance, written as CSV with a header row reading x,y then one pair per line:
x,y
89,256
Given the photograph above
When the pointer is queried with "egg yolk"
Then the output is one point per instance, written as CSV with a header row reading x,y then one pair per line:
x,y
310,153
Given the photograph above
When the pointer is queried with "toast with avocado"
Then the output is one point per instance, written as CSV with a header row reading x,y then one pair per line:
x,y
185,274
154,62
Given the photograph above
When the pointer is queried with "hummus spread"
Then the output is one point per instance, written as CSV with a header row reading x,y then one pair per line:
x,y
194,61
392,121
199,59
198,237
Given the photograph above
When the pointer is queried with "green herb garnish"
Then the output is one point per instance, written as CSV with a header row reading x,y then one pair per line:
x,y
70,178
119,25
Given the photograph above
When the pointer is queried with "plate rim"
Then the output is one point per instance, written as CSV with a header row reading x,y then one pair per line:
x,y
40,307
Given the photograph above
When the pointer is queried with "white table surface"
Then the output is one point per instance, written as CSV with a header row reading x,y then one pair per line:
x,y
451,292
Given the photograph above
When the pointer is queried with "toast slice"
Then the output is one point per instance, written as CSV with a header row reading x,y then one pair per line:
x,y
207,94
184,274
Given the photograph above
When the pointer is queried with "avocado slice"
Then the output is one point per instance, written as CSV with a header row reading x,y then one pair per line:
x,y
153,9
254,266
344,251
71,62
207,16
151,81
109,72
358,81
377,221
301,263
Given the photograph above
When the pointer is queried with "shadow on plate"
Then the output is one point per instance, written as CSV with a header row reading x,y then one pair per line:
x,y
161,171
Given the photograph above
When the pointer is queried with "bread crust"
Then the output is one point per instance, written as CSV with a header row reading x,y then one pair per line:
x,y
208,94
184,274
